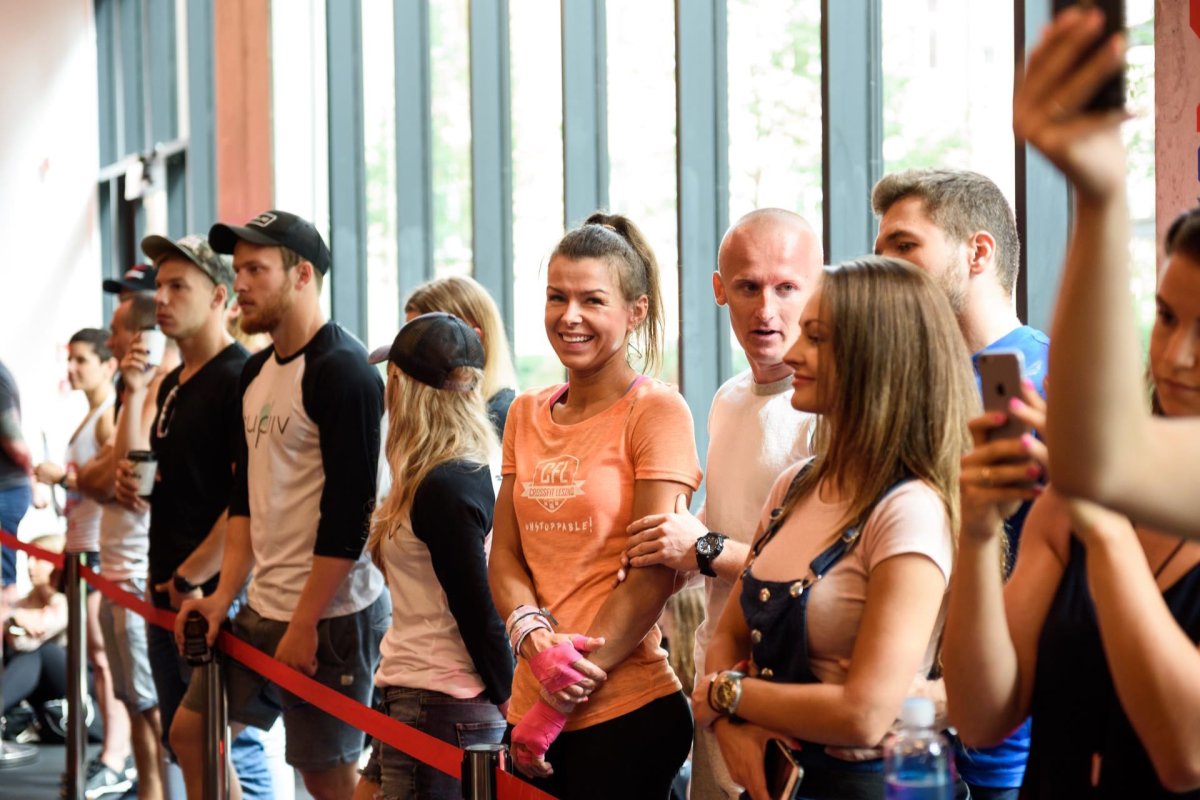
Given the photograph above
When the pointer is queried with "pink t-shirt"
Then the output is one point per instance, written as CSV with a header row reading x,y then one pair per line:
x,y
911,519
573,498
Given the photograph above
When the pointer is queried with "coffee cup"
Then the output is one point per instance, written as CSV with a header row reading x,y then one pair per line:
x,y
145,467
155,342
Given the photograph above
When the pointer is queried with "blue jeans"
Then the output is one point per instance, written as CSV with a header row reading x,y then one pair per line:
x,y
460,722
171,677
14,502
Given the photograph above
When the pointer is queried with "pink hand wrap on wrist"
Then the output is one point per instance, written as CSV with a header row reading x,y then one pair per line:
x,y
536,731
553,667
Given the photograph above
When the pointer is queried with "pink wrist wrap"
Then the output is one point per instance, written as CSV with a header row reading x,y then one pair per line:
x,y
537,730
553,667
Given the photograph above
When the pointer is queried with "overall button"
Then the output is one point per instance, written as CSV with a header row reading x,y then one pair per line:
x,y
756,636
796,589
767,672
764,595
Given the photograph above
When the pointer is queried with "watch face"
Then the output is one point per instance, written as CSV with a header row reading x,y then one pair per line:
x,y
725,692
704,545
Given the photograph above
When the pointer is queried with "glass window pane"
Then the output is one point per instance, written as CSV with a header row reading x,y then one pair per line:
x,y
535,61
1139,138
947,87
450,86
641,140
774,89
379,143
300,114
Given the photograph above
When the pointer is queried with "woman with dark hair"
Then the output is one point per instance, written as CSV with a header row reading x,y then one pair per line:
x,y
839,609
598,711
1096,634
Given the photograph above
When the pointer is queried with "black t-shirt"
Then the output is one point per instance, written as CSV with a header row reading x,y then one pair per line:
x,y
452,514
10,404
195,437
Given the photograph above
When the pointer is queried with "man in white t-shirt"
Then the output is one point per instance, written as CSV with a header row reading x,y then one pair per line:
x,y
769,263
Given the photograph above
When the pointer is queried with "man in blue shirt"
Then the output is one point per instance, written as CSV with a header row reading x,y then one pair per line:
x,y
957,226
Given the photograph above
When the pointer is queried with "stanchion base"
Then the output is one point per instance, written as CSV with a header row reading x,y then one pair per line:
x,y
16,755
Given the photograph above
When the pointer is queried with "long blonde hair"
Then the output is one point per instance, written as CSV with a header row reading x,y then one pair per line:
x,y
902,389
428,427
466,299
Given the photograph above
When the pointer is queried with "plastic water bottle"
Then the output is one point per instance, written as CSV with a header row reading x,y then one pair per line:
x,y
917,761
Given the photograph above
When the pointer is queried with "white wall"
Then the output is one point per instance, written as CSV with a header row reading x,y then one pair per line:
x,y
50,262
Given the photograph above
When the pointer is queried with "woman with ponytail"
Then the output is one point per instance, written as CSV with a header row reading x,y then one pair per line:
x,y
598,713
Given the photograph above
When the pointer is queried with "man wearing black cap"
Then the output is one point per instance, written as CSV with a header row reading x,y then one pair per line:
x,y
301,508
138,278
194,438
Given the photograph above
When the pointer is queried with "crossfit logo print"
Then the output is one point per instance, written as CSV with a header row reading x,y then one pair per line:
x,y
554,482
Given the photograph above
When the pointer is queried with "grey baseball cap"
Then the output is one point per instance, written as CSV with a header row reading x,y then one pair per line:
x,y
194,248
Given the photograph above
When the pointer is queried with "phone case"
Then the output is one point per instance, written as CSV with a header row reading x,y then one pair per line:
x,y
1000,375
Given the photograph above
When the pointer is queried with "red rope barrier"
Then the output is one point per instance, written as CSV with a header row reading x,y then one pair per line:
x,y
425,748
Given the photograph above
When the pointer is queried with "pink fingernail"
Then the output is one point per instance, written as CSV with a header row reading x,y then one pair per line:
x,y
1027,441
1015,404
999,417
1034,472
1028,384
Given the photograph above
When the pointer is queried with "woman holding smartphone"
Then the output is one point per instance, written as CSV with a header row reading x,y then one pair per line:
x,y
445,665
839,608
598,711
1096,633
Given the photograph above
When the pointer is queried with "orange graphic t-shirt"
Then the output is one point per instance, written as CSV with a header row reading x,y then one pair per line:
x,y
573,498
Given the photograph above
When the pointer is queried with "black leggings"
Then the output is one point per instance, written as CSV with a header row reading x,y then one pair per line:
x,y
632,757
37,677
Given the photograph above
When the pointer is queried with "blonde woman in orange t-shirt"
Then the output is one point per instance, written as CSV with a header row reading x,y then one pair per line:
x,y
598,711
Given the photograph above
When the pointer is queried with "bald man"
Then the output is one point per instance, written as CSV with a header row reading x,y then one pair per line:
x,y
768,265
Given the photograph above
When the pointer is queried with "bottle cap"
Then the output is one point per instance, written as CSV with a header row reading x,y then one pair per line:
x,y
917,712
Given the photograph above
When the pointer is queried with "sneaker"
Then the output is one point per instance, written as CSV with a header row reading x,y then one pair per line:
x,y
99,781
106,782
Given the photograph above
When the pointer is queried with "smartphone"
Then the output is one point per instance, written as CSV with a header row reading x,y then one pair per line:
x,y
1111,94
782,771
1000,375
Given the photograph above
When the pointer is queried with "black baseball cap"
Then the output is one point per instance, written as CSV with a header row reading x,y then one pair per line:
x,y
138,278
431,346
275,228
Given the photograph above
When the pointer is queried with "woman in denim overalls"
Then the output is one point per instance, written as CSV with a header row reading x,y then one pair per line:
x,y
840,605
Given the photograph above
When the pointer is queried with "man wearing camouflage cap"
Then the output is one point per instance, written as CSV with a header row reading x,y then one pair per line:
x,y
196,429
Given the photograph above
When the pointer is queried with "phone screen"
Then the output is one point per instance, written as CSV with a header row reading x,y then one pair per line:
x,y
782,771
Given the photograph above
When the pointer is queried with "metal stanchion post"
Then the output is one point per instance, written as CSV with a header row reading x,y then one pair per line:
x,y
480,764
216,725
76,674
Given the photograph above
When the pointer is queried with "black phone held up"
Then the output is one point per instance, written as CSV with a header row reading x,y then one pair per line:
x,y
782,772
1112,94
